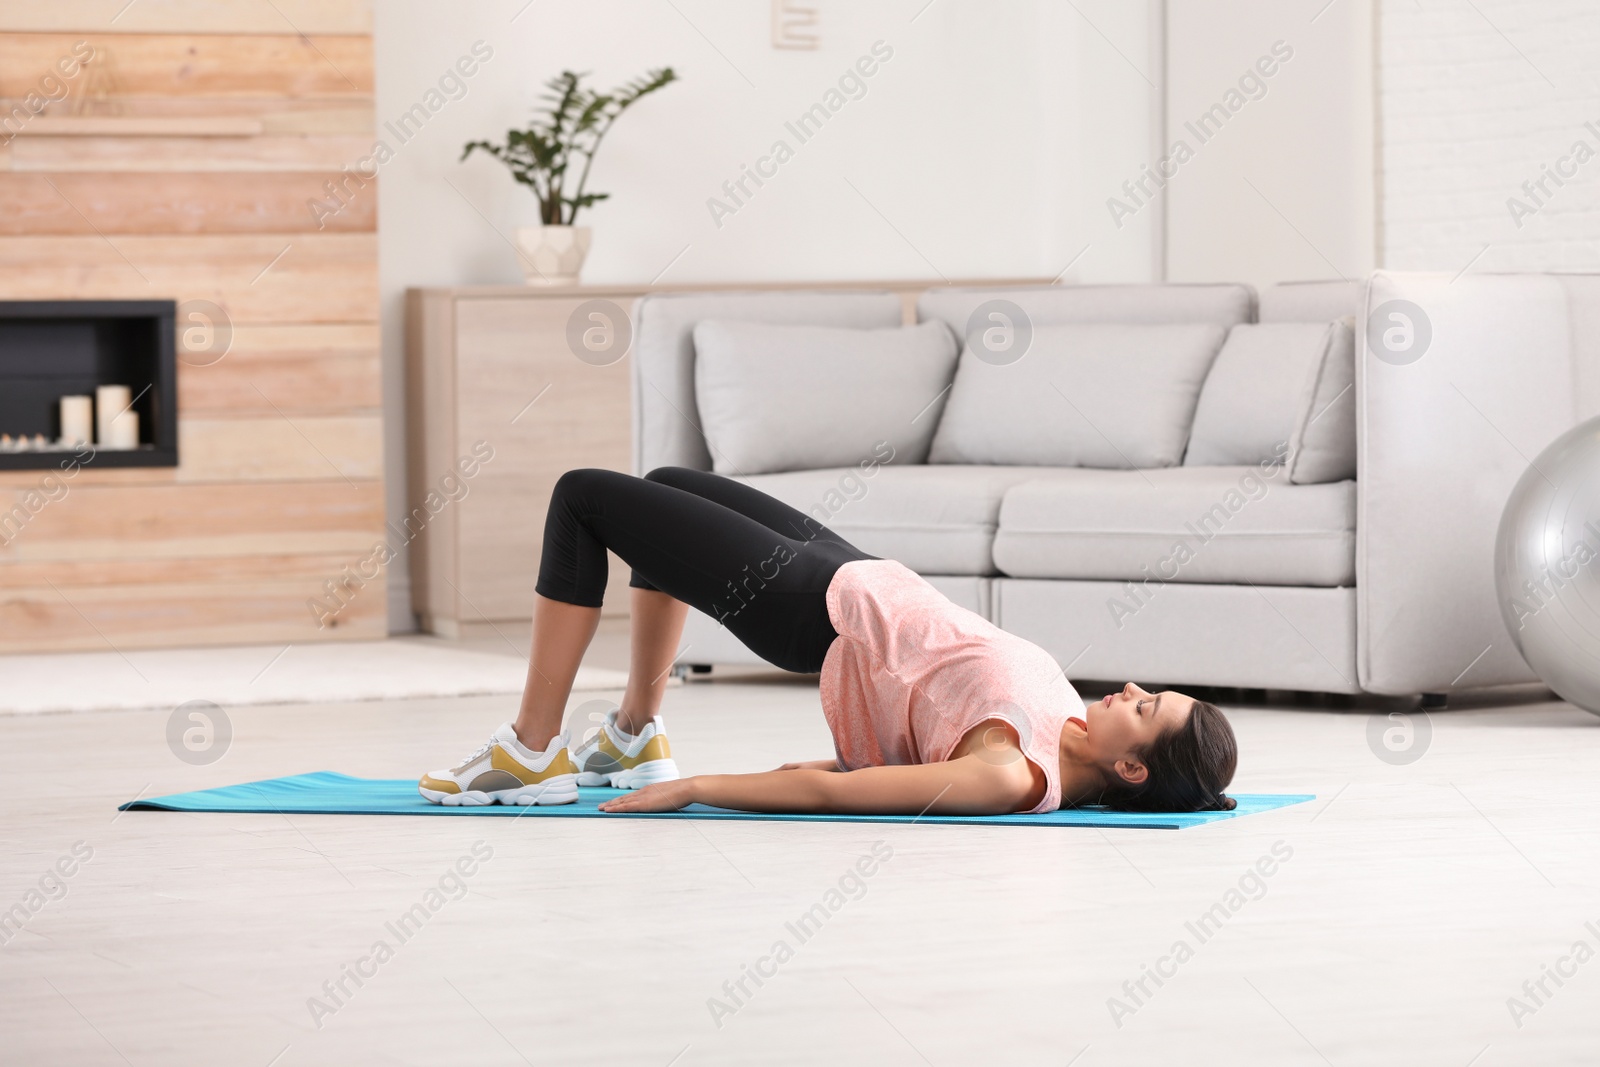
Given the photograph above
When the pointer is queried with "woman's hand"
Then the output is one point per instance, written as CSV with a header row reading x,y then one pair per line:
x,y
663,796
812,765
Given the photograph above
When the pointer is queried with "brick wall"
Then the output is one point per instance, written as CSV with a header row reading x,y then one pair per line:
x,y
1474,100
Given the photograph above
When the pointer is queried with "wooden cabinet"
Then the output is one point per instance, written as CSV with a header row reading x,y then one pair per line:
x,y
498,408
490,373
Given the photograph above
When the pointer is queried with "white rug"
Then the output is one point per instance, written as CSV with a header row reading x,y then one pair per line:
x,y
332,672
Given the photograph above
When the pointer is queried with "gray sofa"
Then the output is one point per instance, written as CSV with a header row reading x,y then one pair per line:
x,y
1297,575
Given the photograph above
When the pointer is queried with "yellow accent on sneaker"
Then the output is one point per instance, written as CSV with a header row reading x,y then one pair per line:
x,y
438,785
501,760
656,748
610,757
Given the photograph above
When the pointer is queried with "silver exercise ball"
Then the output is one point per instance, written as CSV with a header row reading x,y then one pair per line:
x,y
1547,565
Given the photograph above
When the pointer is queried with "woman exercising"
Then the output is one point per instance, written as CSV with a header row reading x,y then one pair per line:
x,y
932,707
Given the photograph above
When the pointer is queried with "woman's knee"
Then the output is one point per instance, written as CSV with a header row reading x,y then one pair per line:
x,y
581,480
581,490
669,475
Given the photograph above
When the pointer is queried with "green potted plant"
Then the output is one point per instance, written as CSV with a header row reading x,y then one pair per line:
x,y
558,148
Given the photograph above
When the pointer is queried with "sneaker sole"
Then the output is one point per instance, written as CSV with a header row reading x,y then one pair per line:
x,y
649,773
562,789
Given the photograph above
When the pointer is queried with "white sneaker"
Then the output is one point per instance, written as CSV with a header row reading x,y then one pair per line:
x,y
611,756
505,771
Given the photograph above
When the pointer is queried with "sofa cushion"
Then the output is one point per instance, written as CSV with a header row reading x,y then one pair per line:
x,y
1260,389
934,519
1182,524
1094,395
783,398
666,423
1323,445
1057,305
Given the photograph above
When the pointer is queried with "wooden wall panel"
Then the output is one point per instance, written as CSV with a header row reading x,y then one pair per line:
x,y
248,384
189,16
229,154
267,114
68,574
184,65
138,521
209,613
191,180
269,340
275,448
165,203
293,277
293,369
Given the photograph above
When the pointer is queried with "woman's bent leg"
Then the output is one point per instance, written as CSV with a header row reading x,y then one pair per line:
x,y
561,634
752,503
655,625
767,588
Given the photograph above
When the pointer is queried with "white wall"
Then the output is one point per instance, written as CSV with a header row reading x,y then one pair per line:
x,y
982,148
1285,189
1478,99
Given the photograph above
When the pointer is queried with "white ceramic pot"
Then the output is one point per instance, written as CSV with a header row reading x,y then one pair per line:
x,y
552,255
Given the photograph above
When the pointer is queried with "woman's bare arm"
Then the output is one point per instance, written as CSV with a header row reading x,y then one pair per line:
x,y
813,765
970,785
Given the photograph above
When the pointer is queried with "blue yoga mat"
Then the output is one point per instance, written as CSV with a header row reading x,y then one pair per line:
x,y
327,793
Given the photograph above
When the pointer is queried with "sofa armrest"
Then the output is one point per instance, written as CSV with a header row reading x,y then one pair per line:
x,y
1441,441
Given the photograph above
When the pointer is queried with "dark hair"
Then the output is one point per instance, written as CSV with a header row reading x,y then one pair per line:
x,y
1189,767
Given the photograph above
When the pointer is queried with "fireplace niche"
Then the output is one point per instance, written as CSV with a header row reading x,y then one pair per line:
x,y
55,348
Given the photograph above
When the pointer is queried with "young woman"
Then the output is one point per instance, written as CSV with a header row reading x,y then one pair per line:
x,y
932,707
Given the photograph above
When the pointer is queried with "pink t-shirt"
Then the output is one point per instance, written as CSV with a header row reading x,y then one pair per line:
x,y
911,673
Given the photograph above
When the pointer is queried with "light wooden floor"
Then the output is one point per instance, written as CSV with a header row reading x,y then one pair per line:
x,y
1416,901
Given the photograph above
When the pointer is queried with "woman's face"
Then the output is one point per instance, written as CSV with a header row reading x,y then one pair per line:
x,y
1124,722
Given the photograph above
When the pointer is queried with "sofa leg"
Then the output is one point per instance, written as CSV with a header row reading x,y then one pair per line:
x,y
1435,701
684,671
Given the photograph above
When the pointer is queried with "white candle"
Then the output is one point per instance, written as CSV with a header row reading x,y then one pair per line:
x,y
124,431
109,402
77,420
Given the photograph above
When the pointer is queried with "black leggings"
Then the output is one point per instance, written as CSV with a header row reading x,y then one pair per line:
x,y
753,563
